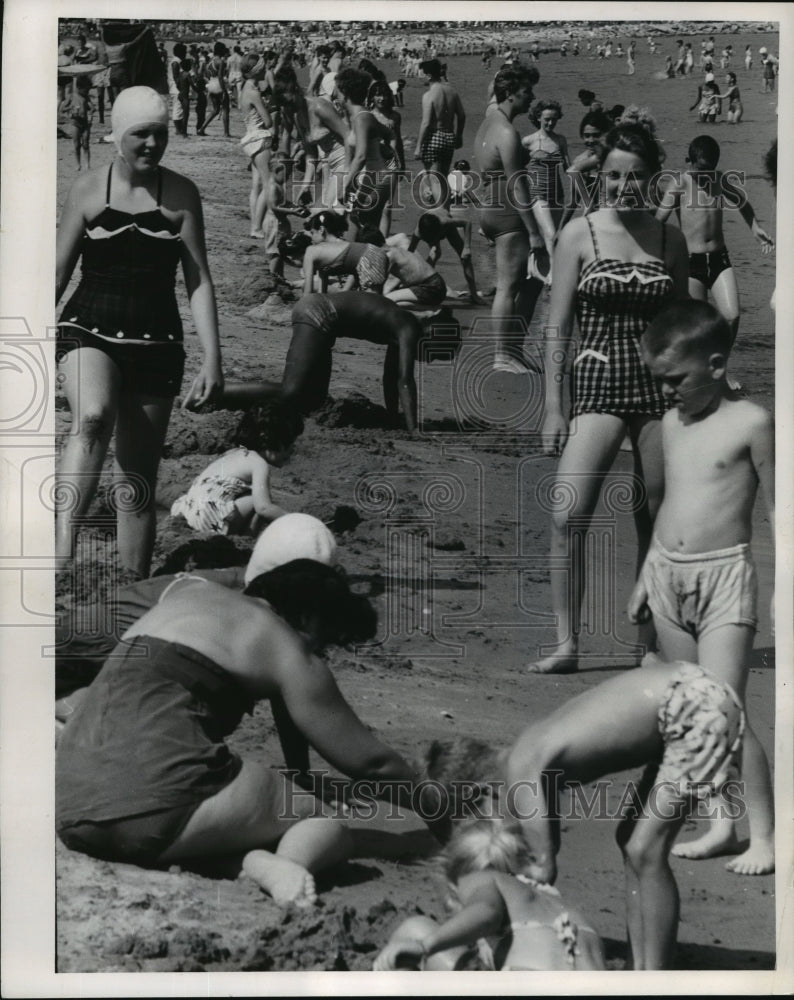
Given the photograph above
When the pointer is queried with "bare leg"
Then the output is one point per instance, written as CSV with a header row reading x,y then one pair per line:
x,y
511,267
647,850
725,293
589,452
307,847
141,427
260,164
646,439
92,388
725,653
417,929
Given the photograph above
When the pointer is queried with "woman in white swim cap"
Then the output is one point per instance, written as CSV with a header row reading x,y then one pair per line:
x,y
119,345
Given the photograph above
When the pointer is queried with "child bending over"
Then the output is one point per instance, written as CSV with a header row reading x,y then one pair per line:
x,y
232,495
699,581
533,928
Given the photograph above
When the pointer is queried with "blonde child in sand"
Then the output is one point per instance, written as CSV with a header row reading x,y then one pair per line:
x,y
533,928
698,580
232,495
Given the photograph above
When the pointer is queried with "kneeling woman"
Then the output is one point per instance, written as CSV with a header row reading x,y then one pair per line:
x,y
331,254
143,774
317,320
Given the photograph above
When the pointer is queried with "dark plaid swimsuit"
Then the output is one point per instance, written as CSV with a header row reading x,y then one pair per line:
x,y
615,302
126,290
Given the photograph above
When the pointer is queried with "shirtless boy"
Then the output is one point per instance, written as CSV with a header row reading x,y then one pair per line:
x,y
413,283
438,224
698,580
700,197
441,130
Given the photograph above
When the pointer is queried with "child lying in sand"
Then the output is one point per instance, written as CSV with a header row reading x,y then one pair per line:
x,y
534,929
232,495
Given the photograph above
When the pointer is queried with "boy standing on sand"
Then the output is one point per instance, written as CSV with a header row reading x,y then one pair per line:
x,y
699,581
700,196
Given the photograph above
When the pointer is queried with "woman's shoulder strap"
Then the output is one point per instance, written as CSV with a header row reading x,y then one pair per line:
x,y
589,222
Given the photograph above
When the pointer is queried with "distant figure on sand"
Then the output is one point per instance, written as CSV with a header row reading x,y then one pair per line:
x,y
441,129
700,198
699,581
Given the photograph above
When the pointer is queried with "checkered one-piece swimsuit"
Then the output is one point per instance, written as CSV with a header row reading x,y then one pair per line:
x,y
615,302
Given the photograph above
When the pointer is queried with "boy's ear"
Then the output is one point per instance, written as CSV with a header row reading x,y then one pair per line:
x,y
717,364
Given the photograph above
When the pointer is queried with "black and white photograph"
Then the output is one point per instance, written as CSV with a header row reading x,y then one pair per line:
x,y
390,552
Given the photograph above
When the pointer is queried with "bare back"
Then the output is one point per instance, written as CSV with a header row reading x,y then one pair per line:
x,y
701,213
444,106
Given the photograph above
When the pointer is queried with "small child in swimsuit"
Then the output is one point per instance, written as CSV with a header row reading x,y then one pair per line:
x,y
232,495
533,928
700,195
699,581
81,113
275,224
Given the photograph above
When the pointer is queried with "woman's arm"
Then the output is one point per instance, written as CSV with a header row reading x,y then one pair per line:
x,y
327,115
201,292
311,259
678,262
558,332
70,233
397,142
255,98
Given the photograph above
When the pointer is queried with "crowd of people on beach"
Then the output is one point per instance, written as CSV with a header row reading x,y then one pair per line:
x,y
642,320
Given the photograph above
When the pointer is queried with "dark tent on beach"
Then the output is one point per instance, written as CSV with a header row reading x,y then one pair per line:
x,y
133,56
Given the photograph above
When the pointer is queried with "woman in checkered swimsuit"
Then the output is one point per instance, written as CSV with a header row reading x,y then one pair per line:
x,y
615,269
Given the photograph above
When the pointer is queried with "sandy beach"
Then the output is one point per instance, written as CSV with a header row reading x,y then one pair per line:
x,y
449,536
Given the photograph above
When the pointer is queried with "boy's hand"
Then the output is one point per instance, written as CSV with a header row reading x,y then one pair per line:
x,y
638,609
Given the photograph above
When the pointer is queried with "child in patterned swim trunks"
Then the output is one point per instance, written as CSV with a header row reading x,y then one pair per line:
x,y
698,581
232,495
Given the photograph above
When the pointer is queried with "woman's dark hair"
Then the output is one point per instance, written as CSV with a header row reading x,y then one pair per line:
x,y
378,88
510,80
366,66
353,85
287,90
316,598
273,426
636,139
430,228
335,223
732,78
597,120
180,50
219,49
541,105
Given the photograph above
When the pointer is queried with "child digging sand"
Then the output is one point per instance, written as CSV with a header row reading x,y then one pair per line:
x,y
232,495
698,579
534,929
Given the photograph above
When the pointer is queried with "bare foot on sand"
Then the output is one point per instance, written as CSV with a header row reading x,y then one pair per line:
x,y
719,839
557,663
286,881
758,859
256,234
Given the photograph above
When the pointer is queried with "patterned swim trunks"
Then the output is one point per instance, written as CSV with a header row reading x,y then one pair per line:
x,y
701,722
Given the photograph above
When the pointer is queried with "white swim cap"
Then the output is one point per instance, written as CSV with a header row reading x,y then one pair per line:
x,y
762,51
137,106
291,536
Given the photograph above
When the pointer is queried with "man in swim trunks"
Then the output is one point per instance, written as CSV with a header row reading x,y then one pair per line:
x,y
700,196
685,724
143,773
441,129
